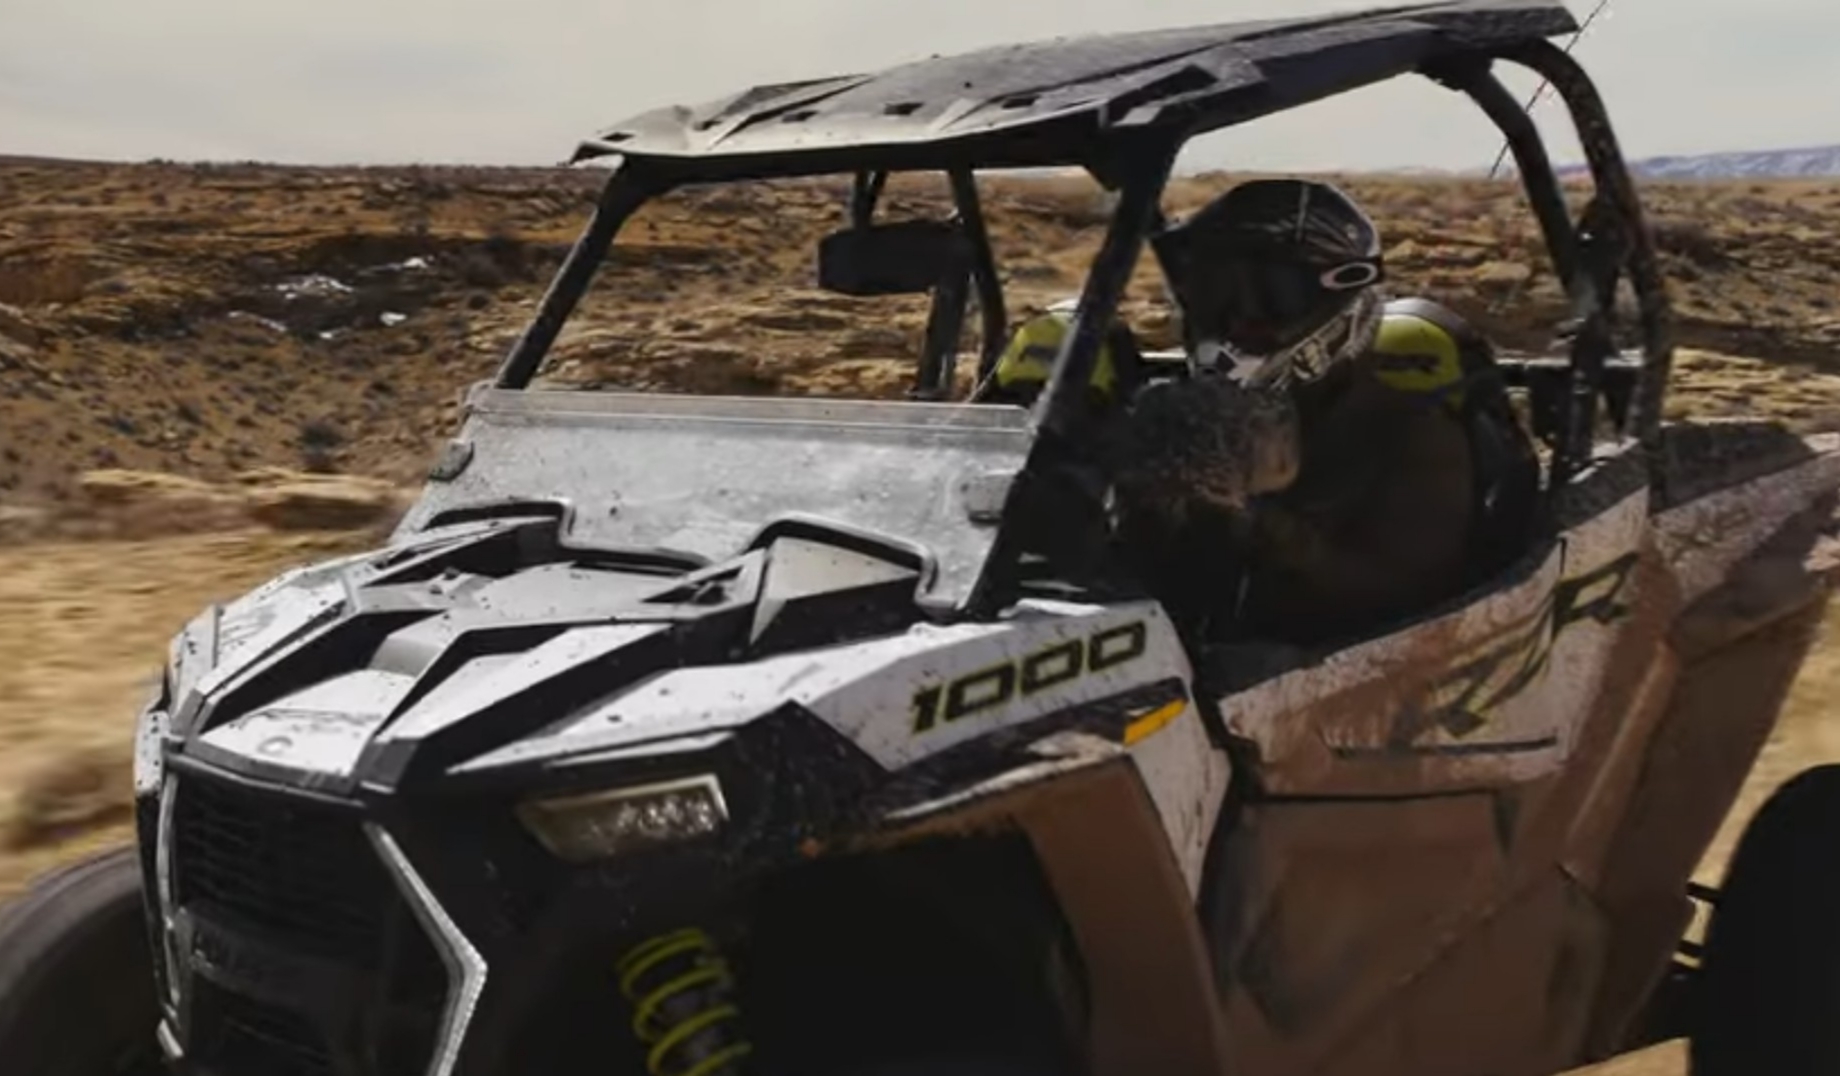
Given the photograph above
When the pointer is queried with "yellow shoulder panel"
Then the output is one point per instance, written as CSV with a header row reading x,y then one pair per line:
x,y
1030,354
1413,354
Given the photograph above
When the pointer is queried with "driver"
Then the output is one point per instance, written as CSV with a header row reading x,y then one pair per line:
x,y
1315,475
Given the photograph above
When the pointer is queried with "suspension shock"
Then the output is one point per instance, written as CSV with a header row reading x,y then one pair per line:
x,y
682,993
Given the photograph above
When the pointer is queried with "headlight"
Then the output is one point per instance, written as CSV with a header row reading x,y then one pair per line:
x,y
599,825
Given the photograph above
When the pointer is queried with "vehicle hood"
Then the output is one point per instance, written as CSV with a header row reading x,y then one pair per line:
x,y
385,667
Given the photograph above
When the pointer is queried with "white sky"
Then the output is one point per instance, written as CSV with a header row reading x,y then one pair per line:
x,y
519,81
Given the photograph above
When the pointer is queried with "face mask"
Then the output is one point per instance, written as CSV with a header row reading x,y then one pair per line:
x,y
1214,356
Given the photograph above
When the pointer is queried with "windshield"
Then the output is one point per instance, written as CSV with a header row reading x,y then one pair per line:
x,y
702,477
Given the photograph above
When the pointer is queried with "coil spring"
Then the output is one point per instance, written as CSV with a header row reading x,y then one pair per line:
x,y
680,987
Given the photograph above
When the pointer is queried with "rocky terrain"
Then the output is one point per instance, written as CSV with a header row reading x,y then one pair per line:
x,y
209,373
209,321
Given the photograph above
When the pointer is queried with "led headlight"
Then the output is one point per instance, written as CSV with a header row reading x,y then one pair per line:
x,y
598,825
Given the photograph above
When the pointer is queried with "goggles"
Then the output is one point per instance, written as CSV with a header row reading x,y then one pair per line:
x,y
1262,305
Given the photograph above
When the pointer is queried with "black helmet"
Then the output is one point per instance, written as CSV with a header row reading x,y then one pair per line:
x,y
1276,273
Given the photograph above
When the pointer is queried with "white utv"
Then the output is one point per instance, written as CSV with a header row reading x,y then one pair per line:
x,y
711,736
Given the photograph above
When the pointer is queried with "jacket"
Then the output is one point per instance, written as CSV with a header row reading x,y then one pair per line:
x,y
1414,479
1377,524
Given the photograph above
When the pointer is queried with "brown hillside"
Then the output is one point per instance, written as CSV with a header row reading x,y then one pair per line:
x,y
206,320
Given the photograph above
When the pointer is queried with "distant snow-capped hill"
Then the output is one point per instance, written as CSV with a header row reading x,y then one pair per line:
x,y
1817,161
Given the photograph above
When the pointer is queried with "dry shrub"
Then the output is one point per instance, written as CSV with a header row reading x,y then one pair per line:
x,y
479,267
1689,239
38,283
319,443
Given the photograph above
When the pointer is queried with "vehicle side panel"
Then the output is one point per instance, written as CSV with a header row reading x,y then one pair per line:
x,y
1433,914
1362,895
1537,956
1095,833
1489,695
1326,908
1511,989
1740,645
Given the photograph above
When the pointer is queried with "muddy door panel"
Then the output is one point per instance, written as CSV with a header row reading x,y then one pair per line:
x,y
1490,695
1533,956
1408,825
1099,838
1327,907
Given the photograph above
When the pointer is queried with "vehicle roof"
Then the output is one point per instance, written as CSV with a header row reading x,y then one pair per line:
x,y
1052,102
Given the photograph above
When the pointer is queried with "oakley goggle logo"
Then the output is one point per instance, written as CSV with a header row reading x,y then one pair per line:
x,y
1349,276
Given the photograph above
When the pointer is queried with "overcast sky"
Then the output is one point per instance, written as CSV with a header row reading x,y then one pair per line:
x,y
518,81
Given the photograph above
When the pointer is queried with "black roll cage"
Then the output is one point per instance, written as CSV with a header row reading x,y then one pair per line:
x,y
1589,256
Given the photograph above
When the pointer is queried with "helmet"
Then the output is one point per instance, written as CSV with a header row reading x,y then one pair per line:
x,y
1278,276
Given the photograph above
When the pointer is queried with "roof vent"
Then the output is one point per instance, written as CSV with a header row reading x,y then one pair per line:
x,y
902,108
1023,100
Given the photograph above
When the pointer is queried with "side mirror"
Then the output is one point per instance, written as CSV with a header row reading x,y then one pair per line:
x,y
902,258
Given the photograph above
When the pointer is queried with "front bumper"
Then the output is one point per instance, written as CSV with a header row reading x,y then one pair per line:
x,y
301,934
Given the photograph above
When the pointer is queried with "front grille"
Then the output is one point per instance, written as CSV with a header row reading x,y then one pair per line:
x,y
248,1036
306,880
304,872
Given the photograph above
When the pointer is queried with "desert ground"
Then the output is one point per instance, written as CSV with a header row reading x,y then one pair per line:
x,y
209,373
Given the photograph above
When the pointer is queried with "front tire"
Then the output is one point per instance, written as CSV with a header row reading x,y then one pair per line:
x,y
1768,995
76,978
961,1066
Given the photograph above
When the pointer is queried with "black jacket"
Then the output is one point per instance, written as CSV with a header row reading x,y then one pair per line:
x,y
1378,523
1403,497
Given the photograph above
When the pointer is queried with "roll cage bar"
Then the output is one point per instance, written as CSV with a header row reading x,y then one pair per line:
x,y
1589,256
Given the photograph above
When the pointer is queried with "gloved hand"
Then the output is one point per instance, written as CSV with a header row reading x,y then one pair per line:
x,y
1203,442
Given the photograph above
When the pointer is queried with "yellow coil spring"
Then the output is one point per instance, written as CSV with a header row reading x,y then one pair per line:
x,y
679,986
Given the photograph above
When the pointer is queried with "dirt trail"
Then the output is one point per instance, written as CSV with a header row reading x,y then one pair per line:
x,y
83,628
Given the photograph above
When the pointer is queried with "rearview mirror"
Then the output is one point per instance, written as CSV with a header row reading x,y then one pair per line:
x,y
902,258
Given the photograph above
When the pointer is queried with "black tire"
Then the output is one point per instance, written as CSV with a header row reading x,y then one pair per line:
x,y
967,1066
76,979
1767,999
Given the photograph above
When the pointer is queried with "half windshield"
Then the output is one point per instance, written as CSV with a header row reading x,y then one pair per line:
x,y
703,476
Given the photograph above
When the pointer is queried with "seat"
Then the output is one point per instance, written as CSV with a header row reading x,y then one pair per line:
x,y
1426,347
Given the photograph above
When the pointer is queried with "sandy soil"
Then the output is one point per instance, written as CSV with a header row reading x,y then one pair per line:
x,y
84,627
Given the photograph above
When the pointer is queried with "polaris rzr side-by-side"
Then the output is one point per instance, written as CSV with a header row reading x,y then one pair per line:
x,y
710,736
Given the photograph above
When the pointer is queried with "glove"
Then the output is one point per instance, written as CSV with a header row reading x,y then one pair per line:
x,y
1204,441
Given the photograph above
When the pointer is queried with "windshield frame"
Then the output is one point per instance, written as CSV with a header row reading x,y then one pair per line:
x,y
1137,175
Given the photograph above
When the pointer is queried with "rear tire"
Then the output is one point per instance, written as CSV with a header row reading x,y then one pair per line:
x,y
76,979
1767,998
